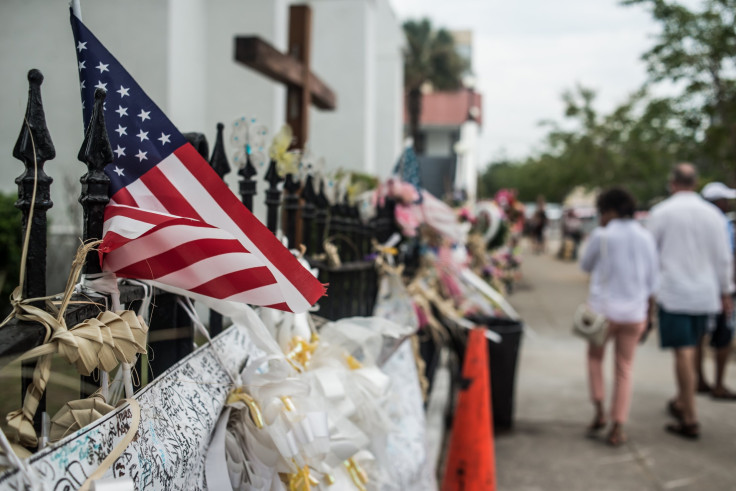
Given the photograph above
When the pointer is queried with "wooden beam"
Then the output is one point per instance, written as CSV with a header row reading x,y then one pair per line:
x,y
257,54
298,97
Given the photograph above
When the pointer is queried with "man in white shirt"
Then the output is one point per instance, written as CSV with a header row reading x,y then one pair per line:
x,y
695,281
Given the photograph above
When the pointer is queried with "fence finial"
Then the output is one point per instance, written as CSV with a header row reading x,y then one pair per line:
x,y
34,131
218,160
273,196
34,147
96,153
247,183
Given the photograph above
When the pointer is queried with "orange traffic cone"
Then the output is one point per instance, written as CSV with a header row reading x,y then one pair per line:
x,y
471,459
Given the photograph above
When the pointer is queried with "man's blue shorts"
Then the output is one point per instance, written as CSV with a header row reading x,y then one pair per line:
x,y
680,330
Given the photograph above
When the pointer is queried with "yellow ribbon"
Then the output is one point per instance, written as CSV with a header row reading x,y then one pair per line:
x,y
238,395
301,351
301,480
382,249
357,474
353,364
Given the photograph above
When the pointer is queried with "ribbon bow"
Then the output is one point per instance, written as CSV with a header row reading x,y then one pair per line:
x,y
301,351
301,480
237,395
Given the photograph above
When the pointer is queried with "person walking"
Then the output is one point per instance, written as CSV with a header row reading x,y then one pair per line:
x,y
696,281
621,257
538,226
721,327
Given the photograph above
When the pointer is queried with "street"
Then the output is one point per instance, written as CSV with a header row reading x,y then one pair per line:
x,y
548,448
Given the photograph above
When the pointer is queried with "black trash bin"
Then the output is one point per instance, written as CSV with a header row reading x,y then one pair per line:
x,y
502,360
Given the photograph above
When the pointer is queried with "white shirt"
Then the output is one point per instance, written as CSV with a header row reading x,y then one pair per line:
x,y
622,260
694,258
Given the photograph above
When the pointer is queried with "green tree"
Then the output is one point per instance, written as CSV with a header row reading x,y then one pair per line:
x,y
430,56
10,249
697,49
633,146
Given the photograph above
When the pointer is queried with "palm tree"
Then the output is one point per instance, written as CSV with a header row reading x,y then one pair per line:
x,y
430,56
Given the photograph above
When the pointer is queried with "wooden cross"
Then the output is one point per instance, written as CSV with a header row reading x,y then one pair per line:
x,y
292,69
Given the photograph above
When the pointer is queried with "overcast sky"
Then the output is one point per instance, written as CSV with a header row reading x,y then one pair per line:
x,y
528,52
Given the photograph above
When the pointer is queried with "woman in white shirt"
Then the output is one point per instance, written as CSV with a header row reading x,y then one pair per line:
x,y
622,258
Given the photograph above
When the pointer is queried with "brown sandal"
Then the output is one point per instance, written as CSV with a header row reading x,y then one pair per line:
x,y
688,431
596,426
616,436
675,411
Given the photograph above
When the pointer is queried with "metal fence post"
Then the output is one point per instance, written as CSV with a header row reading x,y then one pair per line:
x,y
96,153
273,197
308,213
291,209
34,147
219,163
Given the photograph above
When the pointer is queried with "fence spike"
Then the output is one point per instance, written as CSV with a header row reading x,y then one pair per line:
x,y
218,160
34,147
291,208
247,183
308,212
34,125
96,153
273,196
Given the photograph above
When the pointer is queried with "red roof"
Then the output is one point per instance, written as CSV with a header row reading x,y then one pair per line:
x,y
447,108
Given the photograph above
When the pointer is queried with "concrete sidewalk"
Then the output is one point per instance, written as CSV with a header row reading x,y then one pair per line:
x,y
548,449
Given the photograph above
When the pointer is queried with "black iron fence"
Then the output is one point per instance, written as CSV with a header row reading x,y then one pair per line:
x,y
308,219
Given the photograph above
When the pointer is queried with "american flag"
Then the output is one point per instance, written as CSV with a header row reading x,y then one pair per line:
x,y
171,218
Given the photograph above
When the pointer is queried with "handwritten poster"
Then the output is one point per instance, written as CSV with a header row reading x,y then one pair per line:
x,y
178,413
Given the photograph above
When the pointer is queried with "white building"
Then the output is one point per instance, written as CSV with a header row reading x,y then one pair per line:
x,y
181,53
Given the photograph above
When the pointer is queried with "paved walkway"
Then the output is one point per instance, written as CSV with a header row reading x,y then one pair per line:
x,y
548,449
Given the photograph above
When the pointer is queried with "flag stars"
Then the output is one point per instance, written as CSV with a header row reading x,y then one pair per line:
x,y
164,139
121,130
144,115
143,135
102,67
122,111
82,85
141,155
81,65
118,171
123,91
101,85
120,151
81,46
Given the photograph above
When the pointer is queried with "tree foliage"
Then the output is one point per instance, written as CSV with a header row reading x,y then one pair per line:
x,y
430,57
633,146
697,49
637,143
10,249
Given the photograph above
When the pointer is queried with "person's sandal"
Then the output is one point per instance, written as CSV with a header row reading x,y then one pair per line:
x,y
723,394
616,437
675,411
704,388
596,426
688,431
